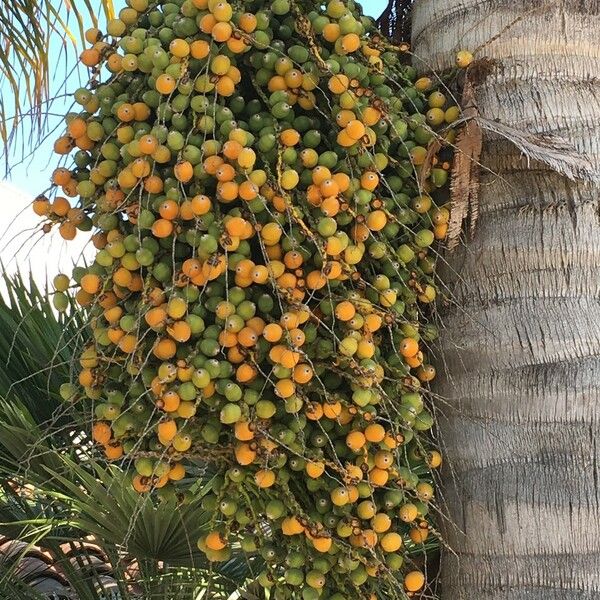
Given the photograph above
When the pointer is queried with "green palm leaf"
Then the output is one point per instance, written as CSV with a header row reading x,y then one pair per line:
x,y
160,531
36,347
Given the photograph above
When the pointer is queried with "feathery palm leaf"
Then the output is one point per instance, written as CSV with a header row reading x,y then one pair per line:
x,y
33,36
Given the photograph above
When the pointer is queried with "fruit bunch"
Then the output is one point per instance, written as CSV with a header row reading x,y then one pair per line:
x,y
265,181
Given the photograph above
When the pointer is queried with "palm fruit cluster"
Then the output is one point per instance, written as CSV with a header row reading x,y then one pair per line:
x,y
264,200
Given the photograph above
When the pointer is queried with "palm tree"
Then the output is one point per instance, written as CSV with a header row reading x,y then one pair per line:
x,y
71,526
519,349
521,343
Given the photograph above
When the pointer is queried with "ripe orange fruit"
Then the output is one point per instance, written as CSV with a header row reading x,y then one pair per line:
x,y
128,343
380,523
222,31
101,432
165,84
199,49
345,311
265,478
63,145
408,347
153,184
408,513
169,210
215,541
248,22
167,429
285,388
378,477
414,581
90,57
419,534
162,228
315,469
322,544
60,206
41,206
244,454
273,332
91,283
303,373
201,205
332,410
314,411
113,451
244,431
180,331
375,433
148,144
184,171
177,472
164,349
355,440
67,230
77,127
392,542
331,32
350,43
179,48
291,526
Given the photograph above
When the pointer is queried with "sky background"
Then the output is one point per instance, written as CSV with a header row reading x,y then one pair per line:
x,y
22,246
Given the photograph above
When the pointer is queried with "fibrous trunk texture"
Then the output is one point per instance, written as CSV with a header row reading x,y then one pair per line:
x,y
520,354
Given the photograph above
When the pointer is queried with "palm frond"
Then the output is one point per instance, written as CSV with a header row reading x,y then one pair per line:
x,y
107,506
162,531
28,453
36,348
85,529
54,498
102,540
33,36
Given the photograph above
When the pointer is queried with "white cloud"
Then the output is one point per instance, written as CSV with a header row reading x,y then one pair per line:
x,y
24,248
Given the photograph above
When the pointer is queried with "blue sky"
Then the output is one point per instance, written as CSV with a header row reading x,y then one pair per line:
x,y
21,247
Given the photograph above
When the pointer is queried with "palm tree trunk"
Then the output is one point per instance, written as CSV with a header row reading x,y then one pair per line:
x,y
520,353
